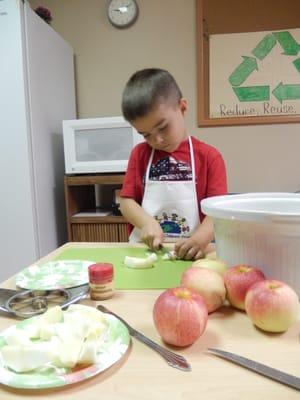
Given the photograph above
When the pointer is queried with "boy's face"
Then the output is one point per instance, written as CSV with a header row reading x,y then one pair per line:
x,y
164,127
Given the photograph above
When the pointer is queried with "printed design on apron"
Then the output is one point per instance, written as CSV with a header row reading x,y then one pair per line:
x,y
170,169
173,224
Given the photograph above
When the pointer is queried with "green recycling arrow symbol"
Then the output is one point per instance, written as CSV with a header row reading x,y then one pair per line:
x,y
287,42
252,93
249,64
297,64
241,73
287,92
264,47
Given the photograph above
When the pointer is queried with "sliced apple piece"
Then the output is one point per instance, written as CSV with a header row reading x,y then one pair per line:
x,y
25,358
139,262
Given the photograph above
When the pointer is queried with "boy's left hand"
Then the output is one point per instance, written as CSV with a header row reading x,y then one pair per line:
x,y
188,249
195,247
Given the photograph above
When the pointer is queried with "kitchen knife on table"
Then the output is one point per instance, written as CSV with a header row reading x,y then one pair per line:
x,y
269,372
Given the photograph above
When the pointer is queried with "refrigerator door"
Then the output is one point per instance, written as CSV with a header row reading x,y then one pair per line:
x,y
17,219
51,94
37,93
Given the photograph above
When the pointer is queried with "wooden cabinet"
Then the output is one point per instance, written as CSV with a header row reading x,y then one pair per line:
x,y
83,220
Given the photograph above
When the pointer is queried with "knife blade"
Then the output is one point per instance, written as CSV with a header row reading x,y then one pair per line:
x,y
167,252
262,369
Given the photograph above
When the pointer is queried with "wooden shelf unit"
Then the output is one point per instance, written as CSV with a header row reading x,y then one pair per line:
x,y
80,197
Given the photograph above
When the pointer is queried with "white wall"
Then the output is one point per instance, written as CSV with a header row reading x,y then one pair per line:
x,y
258,158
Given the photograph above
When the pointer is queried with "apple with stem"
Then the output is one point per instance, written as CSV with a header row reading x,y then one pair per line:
x,y
180,316
272,305
238,280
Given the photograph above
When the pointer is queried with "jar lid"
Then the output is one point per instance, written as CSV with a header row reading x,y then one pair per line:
x,y
101,271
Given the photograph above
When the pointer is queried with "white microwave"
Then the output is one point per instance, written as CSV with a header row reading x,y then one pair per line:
x,y
96,145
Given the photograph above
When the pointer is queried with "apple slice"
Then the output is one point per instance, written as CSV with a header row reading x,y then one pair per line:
x,y
138,262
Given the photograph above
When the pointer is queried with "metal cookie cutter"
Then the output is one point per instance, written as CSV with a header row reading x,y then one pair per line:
x,y
28,303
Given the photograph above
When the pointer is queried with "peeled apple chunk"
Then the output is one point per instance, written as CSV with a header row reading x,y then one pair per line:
x,y
67,353
52,315
57,338
138,262
18,339
170,256
88,352
25,358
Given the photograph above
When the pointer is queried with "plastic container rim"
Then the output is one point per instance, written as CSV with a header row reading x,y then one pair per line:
x,y
214,207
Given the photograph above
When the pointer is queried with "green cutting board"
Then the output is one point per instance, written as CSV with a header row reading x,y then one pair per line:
x,y
163,275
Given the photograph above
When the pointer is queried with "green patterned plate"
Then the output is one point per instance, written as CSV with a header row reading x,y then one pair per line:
x,y
114,347
61,274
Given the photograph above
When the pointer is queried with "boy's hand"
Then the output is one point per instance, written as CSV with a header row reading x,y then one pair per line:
x,y
152,235
195,247
188,249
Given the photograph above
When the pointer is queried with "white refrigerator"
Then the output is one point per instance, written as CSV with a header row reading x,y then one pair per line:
x,y
36,93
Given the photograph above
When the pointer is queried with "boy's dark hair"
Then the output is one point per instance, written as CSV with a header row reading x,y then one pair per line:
x,y
147,89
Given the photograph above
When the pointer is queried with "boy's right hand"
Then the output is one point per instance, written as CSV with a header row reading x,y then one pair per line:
x,y
152,235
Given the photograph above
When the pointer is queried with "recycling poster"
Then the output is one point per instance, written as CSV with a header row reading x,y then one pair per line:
x,y
254,74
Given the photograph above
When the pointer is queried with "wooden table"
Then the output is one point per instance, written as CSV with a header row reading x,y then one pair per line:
x,y
144,375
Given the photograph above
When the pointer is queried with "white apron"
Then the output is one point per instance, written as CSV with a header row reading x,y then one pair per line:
x,y
173,204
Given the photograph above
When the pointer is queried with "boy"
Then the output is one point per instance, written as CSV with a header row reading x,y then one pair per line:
x,y
170,173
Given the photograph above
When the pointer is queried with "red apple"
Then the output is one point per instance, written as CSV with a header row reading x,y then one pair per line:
x,y
238,280
206,282
272,305
180,316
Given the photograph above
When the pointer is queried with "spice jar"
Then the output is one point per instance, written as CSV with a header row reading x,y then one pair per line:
x,y
101,281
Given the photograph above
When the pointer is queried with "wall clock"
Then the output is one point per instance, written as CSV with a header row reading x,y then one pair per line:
x,y
122,13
